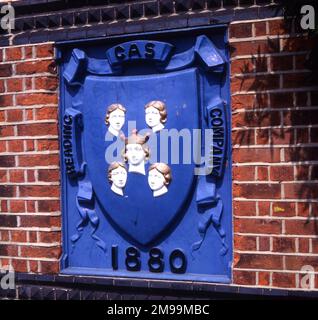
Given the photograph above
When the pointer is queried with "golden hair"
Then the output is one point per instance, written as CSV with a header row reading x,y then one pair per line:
x,y
112,108
113,166
136,138
161,107
164,169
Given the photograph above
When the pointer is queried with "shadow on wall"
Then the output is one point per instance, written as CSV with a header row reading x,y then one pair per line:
x,y
287,100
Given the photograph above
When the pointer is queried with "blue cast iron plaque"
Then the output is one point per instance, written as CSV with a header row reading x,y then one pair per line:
x,y
145,156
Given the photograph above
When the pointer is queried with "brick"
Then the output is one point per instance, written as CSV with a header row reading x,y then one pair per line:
x,y
48,175
284,245
257,191
6,131
3,176
301,227
16,175
15,146
244,277
284,280
39,160
30,204
255,47
17,206
33,266
281,100
46,113
243,137
259,261
6,100
14,85
40,252
264,243
48,205
300,154
50,237
303,244
40,221
256,155
8,250
262,173
300,191
246,101
19,265
5,70
35,67
302,172
262,226
244,173
255,119
3,146
242,30
262,136
244,243
46,83
7,191
300,117
19,236
2,88
5,236
50,267
302,135
28,52
44,51
297,262
278,27
281,63
303,209
263,208
39,191
13,54
260,29
30,175
39,129
33,236
282,173
296,80
297,44
244,208
29,145
7,161
3,206
242,66
263,278
284,209
36,98
44,145
254,83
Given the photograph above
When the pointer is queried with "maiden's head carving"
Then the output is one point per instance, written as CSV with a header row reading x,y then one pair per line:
x,y
155,115
159,177
136,152
115,118
117,176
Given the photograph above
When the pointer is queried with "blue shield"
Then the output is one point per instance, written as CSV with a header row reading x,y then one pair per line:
x,y
139,215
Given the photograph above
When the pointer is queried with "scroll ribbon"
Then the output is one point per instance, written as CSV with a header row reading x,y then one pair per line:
x,y
84,204
210,203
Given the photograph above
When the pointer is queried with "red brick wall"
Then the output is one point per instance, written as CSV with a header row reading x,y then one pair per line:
x,y
275,153
30,218
275,167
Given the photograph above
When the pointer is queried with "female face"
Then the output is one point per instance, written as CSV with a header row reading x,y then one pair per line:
x,y
119,177
152,116
135,153
117,119
156,180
